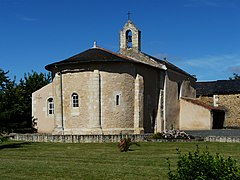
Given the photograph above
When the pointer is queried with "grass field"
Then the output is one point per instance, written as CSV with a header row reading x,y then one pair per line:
x,y
19,160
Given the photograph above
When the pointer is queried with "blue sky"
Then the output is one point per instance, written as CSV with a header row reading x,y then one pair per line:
x,y
200,36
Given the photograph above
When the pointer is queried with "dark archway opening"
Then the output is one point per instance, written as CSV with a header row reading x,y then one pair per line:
x,y
218,119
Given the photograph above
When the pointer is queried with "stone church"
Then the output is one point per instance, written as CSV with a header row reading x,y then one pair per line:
x,y
102,92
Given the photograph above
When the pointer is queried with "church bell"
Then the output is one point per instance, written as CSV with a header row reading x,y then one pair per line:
x,y
129,38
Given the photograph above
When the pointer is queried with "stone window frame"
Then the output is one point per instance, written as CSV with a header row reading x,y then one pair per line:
x,y
215,100
129,43
75,104
117,98
75,100
50,106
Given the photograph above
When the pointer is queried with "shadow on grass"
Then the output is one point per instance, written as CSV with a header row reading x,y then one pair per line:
x,y
13,145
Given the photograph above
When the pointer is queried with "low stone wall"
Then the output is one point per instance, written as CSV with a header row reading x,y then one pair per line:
x,y
233,139
113,138
214,132
76,138
90,138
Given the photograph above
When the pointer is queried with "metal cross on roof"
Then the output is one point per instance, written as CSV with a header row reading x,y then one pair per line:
x,y
129,14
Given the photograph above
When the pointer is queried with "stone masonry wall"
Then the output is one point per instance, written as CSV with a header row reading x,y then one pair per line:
x,y
206,100
231,104
117,116
44,121
98,88
78,118
153,84
137,87
174,84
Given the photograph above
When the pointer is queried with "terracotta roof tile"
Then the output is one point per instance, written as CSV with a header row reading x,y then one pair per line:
x,y
99,55
197,102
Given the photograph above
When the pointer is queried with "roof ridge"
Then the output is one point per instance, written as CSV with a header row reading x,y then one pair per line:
x,y
91,54
167,63
125,56
200,103
113,53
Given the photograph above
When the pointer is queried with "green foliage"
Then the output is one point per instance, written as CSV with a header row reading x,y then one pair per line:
x,y
15,100
125,144
4,137
235,77
157,136
203,165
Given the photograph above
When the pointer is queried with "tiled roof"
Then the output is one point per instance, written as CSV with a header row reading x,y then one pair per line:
x,y
218,87
99,55
170,66
199,103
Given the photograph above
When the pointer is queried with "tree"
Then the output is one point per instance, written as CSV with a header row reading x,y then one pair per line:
x,y
4,80
15,100
29,84
235,77
6,97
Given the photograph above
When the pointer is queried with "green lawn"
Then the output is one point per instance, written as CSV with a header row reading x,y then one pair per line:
x,y
20,160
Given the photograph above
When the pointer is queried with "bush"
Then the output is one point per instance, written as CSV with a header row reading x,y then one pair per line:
x,y
125,144
197,165
172,134
157,136
4,137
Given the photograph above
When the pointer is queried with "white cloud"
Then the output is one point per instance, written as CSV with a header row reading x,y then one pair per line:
x,y
208,67
214,61
212,67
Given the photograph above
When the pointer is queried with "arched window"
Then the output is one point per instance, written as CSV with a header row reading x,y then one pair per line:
x,y
117,99
75,102
50,106
129,38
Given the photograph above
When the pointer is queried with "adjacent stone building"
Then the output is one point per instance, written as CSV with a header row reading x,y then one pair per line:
x,y
224,94
102,92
